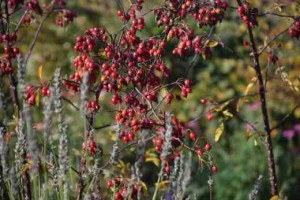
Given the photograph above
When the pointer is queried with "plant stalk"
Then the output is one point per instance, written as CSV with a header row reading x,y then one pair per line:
x,y
265,115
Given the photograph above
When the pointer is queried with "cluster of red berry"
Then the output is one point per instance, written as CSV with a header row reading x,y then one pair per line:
x,y
34,6
210,14
126,136
84,62
65,17
248,14
93,106
120,186
30,95
186,88
10,53
178,133
32,91
188,42
27,19
206,13
132,70
91,146
12,4
294,31
45,91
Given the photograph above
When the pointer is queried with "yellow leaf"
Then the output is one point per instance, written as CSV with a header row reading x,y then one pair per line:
x,y
278,7
211,43
248,134
276,197
227,113
250,85
40,73
255,142
152,157
219,132
246,92
102,54
145,188
155,161
221,107
112,136
163,185
124,167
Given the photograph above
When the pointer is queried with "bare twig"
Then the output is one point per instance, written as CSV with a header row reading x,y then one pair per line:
x,y
273,39
283,120
37,33
277,14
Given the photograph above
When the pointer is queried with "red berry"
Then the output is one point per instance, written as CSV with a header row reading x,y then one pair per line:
x,y
16,50
209,116
207,147
214,168
193,136
203,101
109,183
45,91
199,152
118,196
169,98
167,169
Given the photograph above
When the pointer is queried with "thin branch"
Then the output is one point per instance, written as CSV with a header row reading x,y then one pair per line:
x,y
273,39
276,14
149,103
102,127
20,22
71,103
264,110
37,33
217,104
283,120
